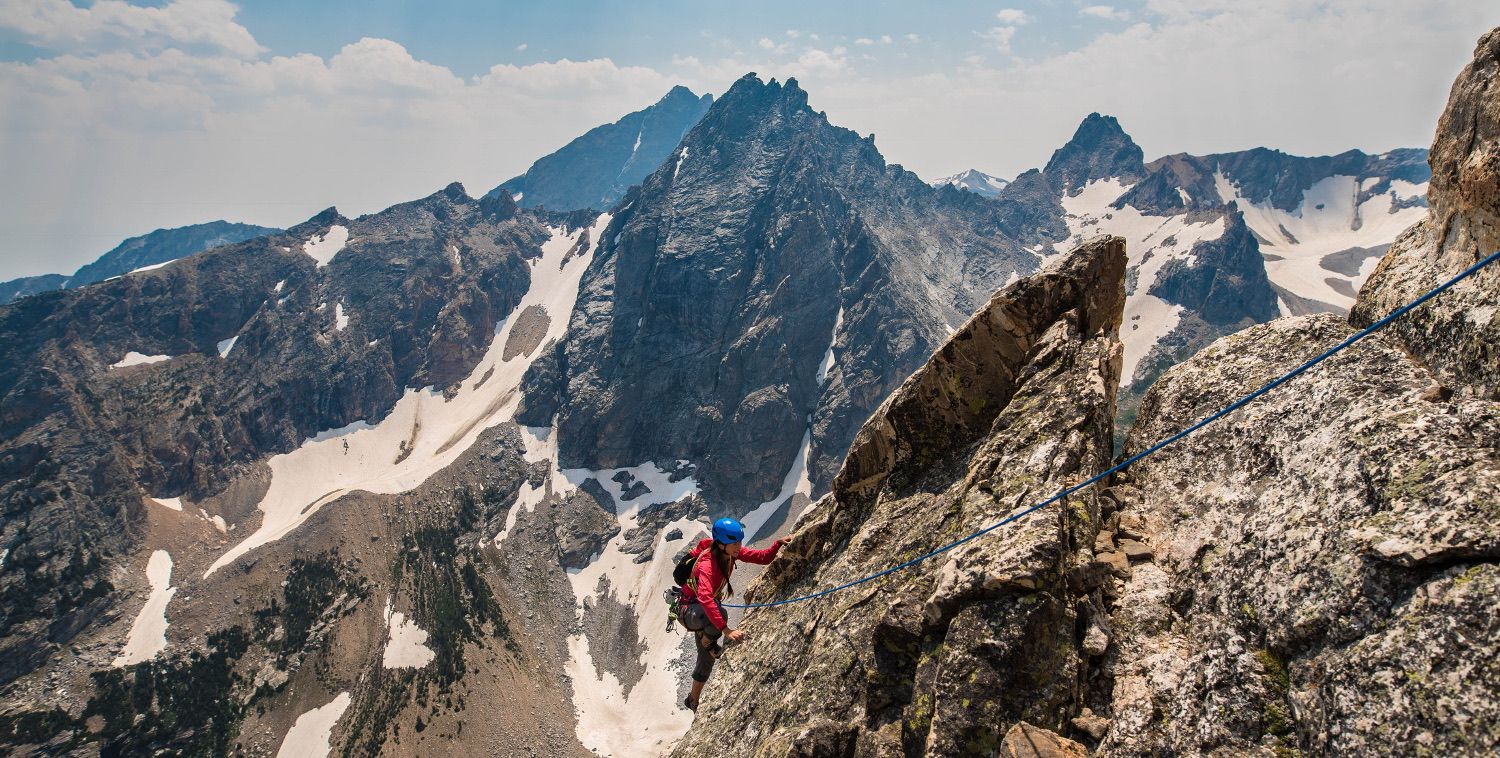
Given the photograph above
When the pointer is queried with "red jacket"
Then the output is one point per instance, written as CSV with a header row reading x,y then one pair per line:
x,y
707,582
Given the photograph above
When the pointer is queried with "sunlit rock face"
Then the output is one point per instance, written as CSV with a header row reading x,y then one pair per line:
x,y
1456,335
1319,572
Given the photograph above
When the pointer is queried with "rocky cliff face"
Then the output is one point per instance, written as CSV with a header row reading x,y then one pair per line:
x,y
1319,567
771,282
595,170
1316,572
156,248
945,657
1455,336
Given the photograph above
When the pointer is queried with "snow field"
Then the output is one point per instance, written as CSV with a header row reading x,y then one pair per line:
x,y
407,645
175,503
827,363
647,721
423,433
1322,225
309,736
148,635
1150,242
226,345
322,248
133,358
154,266
340,321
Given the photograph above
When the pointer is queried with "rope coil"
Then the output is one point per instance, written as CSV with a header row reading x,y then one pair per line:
x,y
1154,448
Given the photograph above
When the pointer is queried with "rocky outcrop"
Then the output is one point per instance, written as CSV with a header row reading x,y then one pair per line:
x,y
945,657
1455,335
1316,573
1320,566
595,170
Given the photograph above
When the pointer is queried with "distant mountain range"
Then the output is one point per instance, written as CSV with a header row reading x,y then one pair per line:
x,y
418,462
157,248
974,181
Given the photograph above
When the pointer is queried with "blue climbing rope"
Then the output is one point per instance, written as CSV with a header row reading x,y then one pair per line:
x,y
1158,446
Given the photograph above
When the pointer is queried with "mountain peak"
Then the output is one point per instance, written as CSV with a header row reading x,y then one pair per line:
x,y
1099,149
975,181
595,170
749,88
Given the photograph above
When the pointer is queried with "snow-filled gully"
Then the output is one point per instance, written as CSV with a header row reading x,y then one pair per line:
x,y
424,433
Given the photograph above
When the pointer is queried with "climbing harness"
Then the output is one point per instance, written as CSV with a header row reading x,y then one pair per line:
x,y
1158,446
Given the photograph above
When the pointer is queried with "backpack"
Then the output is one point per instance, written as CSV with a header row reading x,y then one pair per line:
x,y
676,596
684,570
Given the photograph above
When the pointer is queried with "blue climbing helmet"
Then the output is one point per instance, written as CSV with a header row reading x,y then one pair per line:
x,y
728,531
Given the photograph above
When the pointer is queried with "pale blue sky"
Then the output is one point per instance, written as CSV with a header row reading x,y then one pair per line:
x,y
119,116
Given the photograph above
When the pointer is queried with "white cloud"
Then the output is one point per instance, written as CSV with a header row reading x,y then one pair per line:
x,y
1207,76
111,24
885,39
793,33
1013,16
1000,37
1105,12
521,47
823,64
187,130
913,37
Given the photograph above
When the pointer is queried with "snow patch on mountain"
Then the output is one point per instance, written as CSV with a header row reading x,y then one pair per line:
x,y
133,358
407,645
1329,220
309,736
175,503
148,635
425,432
1150,242
323,247
226,345
827,363
154,266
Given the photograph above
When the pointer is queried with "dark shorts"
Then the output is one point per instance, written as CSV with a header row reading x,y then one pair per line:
x,y
696,620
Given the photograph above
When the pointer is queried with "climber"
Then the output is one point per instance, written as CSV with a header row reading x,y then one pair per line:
x,y
700,611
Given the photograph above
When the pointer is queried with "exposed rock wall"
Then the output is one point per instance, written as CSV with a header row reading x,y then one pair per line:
x,y
945,657
1457,335
1317,573
1322,561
